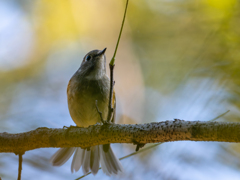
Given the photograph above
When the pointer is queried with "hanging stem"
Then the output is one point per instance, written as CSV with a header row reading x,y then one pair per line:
x,y
110,103
19,165
112,62
111,66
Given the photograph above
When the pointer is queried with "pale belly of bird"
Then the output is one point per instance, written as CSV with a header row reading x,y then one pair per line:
x,y
82,104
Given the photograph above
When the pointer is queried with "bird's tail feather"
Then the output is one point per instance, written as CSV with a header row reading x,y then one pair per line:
x,y
89,159
109,162
61,156
77,159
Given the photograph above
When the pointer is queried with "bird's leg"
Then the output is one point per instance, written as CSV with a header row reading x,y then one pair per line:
x,y
69,128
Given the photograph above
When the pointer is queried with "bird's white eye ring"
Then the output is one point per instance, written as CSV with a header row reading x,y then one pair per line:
x,y
88,58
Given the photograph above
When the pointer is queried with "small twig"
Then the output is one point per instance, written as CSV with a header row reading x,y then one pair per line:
x,y
111,66
112,62
100,113
110,104
85,175
219,116
141,150
19,166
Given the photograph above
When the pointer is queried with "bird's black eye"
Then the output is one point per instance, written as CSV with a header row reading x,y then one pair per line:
x,y
88,58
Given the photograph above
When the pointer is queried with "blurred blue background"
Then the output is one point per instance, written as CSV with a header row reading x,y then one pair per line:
x,y
176,59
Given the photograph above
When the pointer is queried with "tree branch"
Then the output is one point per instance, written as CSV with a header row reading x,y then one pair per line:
x,y
165,131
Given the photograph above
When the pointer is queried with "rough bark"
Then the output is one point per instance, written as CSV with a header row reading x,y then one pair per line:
x,y
177,130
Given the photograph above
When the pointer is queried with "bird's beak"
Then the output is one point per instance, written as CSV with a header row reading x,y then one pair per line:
x,y
102,52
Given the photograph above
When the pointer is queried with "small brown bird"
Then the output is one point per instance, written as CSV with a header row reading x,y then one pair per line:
x,y
88,84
